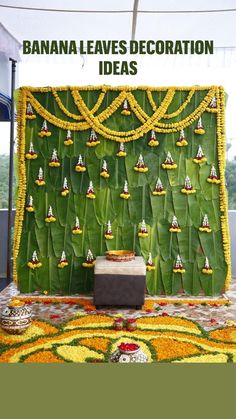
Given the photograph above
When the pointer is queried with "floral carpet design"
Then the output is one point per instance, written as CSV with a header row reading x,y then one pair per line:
x,y
91,338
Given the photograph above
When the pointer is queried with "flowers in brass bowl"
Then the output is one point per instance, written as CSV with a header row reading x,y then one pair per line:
x,y
120,255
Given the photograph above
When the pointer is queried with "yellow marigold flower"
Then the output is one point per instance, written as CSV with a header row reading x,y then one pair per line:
x,y
30,116
32,265
50,219
206,229
88,264
125,195
216,181
158,193
200,131
92,143
104,174
150,268
153,143
76,231
177,270
16,303
90,195
188,191
207,271
108,236
175,230
65,192
169,166
40,182
121,154
54,164
29,209
45,292
30,156
141,169
62,265
79,168
44,134
69,141
182,143
200,161
125,112
140,234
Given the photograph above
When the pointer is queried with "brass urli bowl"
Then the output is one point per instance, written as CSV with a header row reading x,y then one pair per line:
x,y
120,255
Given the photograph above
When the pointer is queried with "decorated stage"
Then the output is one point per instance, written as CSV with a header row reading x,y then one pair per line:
x,y
105,168
121,245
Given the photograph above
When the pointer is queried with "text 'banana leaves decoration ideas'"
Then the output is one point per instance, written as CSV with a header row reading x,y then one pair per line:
x,y
93,177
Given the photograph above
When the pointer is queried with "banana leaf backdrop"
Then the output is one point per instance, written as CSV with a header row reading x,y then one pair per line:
x,y
49,240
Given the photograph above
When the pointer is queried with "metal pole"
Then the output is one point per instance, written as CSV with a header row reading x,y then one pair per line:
x,y
11,167
134,20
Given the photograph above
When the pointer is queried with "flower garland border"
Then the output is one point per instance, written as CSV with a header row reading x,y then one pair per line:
x,y
221,146
148,303
19,217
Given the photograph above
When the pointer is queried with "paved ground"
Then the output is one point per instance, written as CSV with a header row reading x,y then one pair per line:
x,y
207,316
